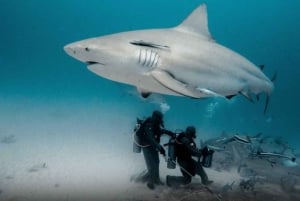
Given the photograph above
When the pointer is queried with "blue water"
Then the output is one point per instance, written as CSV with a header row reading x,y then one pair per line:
x,y
34,67
42,89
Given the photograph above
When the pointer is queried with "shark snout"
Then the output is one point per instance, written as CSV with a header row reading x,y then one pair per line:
x,y
70,49
79,52
84,53
73,48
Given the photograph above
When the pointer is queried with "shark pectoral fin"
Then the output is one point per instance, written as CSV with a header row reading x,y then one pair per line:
x,y
144,93
167,80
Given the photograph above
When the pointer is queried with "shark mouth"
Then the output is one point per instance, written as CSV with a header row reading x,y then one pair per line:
x,y
94,63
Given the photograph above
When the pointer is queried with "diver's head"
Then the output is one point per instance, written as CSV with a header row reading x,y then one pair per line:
x,y
157,117
191,131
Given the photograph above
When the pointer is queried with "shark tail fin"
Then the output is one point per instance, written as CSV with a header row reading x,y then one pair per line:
x,y
274,77
266,103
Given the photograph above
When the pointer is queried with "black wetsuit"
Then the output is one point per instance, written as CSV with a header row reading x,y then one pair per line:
x,y
150,139
185,148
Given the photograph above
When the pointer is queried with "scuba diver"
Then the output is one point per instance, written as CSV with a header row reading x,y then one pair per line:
x,y
147,138
185,148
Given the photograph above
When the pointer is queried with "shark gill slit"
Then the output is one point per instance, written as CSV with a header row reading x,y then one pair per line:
x,y
149,58
152,55
155,54
145,58
140,56
157,60
152,59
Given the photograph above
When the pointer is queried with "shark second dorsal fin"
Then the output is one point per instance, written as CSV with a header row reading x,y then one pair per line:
x,y
196,23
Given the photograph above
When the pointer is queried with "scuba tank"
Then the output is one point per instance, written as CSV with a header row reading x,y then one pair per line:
x,y
207,157
136,147
138,142
171,162
138,129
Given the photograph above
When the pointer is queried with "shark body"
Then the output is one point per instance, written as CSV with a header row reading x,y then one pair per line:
x,y
181,61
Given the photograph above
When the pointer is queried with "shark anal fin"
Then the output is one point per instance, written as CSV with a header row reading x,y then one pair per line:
x,y
167,80
247,95
230,97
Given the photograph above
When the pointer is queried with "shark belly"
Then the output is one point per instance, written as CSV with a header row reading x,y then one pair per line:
x,y
141,81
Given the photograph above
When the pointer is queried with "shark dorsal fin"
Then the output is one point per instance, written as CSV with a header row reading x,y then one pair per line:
x,y
196,22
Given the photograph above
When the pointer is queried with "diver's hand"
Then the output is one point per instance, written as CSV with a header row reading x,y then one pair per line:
x,y
162,151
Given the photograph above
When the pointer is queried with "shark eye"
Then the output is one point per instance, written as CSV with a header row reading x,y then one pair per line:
x,y
87,49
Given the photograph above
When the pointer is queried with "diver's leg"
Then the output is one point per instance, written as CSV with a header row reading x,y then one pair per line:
x,y
186,177
201,172
152,163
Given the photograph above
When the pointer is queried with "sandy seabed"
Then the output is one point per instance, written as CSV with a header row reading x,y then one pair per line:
x,y
67,171
65,161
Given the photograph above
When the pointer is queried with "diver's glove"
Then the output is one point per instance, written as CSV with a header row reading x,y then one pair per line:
x,y
162,151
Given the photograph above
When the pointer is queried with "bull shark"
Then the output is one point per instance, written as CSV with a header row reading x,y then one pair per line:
x,y
183,60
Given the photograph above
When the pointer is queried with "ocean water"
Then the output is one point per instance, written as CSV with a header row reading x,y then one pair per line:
x,y
78,123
